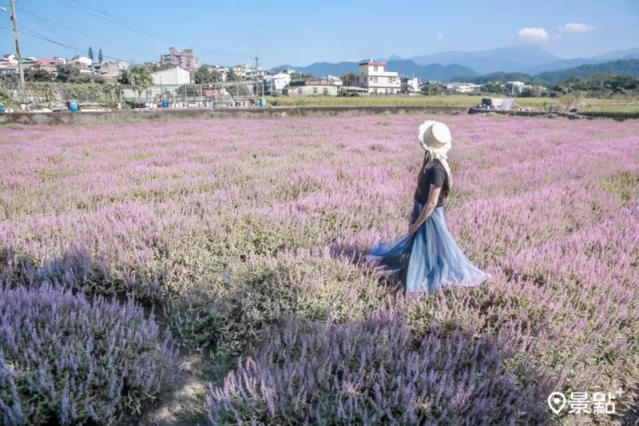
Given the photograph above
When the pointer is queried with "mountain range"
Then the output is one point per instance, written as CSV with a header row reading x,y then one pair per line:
x,y
445,66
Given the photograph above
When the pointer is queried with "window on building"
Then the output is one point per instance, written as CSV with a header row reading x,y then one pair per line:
x,y
375,68
315,90
325,91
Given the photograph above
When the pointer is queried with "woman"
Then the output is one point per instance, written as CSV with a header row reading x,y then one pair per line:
x,y
434,259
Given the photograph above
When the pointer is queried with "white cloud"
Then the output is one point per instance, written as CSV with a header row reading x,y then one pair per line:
x,y
533,34
576,27
439,36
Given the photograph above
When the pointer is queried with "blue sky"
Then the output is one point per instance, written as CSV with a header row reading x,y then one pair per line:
x,y
299,33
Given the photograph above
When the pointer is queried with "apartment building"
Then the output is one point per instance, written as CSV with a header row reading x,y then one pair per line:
x,y
377,80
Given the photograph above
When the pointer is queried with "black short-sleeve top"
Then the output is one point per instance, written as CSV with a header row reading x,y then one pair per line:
x,y
435,174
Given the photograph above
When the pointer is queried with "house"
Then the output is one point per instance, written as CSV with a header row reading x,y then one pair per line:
x,y
373,77
411,85
50,64
171,77
8,63
337,81
275,84
353,90
516,87
222,71
461,87
81,62
311,88
111,70
184,59
241,70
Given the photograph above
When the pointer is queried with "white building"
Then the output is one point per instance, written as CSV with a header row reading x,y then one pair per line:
x,y
337,81
515,87
411,85
82,62
373,77
462,87
171,77
276,83
111,70
311,88
241,70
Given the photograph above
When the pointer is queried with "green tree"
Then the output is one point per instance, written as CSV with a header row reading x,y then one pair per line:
x,y
9,80
67,73
31,74
138,76
349,79
231,76
301,76
430,88
204,75
91,53
100,56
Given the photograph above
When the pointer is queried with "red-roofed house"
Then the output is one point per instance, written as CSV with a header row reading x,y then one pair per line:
x,y
49,64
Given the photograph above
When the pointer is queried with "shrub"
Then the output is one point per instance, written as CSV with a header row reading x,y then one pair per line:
x,y
67,360
373,372
308,285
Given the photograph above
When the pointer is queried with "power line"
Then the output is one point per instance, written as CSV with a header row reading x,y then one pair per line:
x,y
139,29
83,33
33,33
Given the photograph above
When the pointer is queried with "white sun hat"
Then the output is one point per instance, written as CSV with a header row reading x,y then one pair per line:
x,y
436,139
434,135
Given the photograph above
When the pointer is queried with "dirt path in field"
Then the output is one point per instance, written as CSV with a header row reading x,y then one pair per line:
x,y
183,405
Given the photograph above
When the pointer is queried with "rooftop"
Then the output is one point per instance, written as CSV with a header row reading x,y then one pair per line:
x,y
373,63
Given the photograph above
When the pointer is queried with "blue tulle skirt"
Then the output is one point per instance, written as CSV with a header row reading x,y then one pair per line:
x,y
429,259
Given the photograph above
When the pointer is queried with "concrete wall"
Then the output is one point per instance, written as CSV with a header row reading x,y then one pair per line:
x,y
191,114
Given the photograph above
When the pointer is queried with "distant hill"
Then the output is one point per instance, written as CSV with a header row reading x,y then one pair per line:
x,y
629,67
507,59
322,69
626,67
619,54
404,66
497,76
524,58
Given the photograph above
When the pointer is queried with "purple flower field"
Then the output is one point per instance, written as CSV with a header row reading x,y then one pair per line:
x,y
247,235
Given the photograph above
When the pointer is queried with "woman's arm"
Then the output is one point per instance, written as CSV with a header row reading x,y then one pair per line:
x,y
431,204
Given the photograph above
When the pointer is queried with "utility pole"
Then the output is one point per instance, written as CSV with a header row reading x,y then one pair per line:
x,y
16,36
257,61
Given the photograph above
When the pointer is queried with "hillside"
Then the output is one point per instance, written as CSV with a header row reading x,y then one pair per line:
x,y
628,67
405,67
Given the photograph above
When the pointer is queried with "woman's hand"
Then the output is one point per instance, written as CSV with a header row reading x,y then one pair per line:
x,y
412,228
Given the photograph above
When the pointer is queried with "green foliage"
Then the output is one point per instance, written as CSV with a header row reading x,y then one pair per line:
x,y
627,67
100,56
67,72
349,79
31,74
138,76
90,53
263,292
5,98
205,75
433,88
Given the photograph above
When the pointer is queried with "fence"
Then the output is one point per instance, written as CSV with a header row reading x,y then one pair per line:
x,y
53,95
